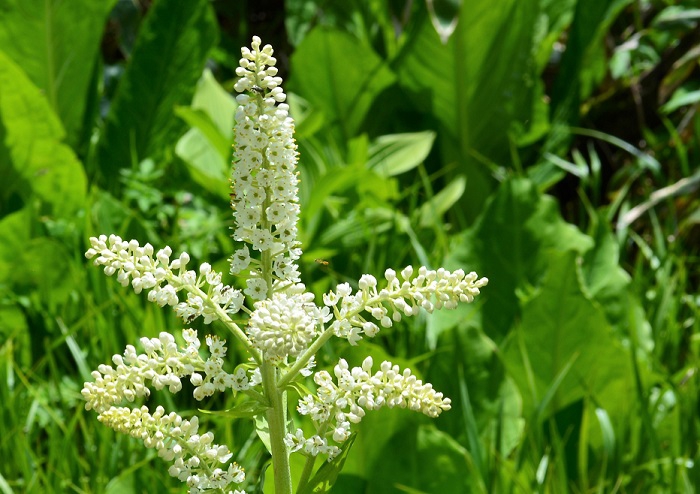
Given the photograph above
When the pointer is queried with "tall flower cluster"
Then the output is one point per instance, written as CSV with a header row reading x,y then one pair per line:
x,y
281,327
265,194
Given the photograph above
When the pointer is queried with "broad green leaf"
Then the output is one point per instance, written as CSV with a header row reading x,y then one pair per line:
x,y
57,43
511,244
166,62
216,102
560,326
394,154
426,459
38,163
35,268
442,201
494,398
200,121
334,71
203,158
15,230
610,285
206,147
478,85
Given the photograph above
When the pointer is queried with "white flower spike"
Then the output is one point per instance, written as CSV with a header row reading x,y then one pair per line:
x,y
281,328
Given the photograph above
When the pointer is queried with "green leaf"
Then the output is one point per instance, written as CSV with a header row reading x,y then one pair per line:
x,y
199,120
204,151
479,85
426,459
206,147
561,327
442,201
36,161
166,62
610,285
57,44
247,409
262,430
493,396
217,103
333,71
328,473
682,97
394,154
511,244
35,268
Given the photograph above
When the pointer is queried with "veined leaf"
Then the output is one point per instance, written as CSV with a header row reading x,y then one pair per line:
x,y
36,161
56,42
166,62
478,85
337,73
206,147
560,328
395,154
511,244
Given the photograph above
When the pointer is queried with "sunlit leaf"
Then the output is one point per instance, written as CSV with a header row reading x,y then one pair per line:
x,y
442,201
31,137
397,153
561,327
56,43
332,70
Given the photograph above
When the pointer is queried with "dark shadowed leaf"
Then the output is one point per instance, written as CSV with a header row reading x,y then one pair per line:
x,y
478,85
511,244
166,63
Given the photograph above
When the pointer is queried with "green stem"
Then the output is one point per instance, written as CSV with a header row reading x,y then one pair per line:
x,y
276,422
306,474
228,322
303,359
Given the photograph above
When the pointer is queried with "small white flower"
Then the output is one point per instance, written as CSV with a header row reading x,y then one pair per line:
x,y
257,288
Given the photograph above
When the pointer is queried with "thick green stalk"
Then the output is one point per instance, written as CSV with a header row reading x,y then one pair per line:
x,y
276,422
277,398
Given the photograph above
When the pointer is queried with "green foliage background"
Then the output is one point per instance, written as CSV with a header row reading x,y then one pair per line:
x,y
550,145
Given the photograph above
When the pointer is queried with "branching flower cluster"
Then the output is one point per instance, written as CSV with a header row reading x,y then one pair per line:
x,y
164,278
283,328
195,457
340,403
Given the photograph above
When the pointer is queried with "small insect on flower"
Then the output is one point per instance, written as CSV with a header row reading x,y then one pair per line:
x,y
322,262
257,89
